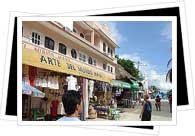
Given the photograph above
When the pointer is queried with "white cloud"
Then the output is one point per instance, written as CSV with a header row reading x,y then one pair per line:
x,y
149,71
166,32
114,32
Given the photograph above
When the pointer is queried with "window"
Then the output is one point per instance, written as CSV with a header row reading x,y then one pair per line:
x,y
104,47
90,61
36,38
49,43
94,62
62,48
108,50
111,52
108,68
74,30
111,69
104,66
74,53
82,57
82,35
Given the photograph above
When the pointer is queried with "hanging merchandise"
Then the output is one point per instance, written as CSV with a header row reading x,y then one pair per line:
x,y
86,100
61,109
118,92
49,81
91,88
44,82
53,82
72,82
37,81
54,108
56,83
26,80
32,74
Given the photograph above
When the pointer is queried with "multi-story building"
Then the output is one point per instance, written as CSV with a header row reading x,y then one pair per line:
x,y
83,49
86,43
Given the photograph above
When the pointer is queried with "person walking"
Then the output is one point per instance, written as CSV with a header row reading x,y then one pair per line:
x,y
146,110
170,103
158,103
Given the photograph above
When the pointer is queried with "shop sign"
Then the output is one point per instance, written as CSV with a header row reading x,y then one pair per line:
x,y
43,58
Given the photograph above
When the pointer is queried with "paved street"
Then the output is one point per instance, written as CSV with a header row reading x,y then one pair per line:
x,y
133,114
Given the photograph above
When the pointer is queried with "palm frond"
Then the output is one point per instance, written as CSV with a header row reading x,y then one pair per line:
x,y
169,62
169,76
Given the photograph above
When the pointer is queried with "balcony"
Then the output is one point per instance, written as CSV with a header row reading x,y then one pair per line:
x,y
77,40
115,60
29,45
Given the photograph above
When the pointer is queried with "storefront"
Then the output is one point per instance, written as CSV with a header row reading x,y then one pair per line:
x,y
51,73
125,93
135,87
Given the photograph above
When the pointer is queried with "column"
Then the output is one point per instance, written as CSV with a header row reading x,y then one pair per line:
x,y
92,37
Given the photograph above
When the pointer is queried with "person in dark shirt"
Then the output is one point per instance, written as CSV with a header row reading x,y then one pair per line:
x,y
146,111
158,103
170,102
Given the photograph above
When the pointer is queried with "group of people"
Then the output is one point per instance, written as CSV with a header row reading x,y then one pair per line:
x,y
73,106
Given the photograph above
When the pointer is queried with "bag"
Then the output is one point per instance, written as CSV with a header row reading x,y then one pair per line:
x,y
148,107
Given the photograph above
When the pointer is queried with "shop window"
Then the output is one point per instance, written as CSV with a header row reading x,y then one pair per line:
x,y
49,43
90,61
108,68
104,47
36,38
74,53
82,57
62,48
104,66
82,35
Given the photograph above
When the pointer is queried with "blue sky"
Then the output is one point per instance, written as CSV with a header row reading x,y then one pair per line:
x,y
148,42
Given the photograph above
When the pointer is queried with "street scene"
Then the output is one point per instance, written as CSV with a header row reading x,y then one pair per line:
x,y
97,71
134,113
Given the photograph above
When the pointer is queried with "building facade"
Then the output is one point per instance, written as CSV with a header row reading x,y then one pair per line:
x,y
53,51
86,44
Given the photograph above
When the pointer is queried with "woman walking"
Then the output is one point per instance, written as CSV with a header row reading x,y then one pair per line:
x,y
146,109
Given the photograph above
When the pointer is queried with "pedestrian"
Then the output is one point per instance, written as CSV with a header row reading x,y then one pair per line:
x,y
146,110
72,105
170,103
158,103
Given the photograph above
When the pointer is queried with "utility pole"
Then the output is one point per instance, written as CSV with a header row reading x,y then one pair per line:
x,y
139,64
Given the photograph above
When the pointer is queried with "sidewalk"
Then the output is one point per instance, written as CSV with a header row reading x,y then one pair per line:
x,y
130,114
